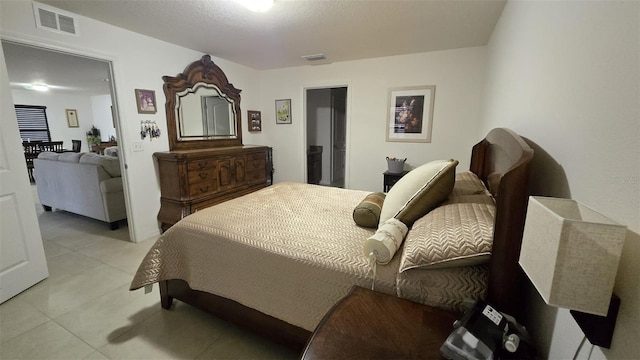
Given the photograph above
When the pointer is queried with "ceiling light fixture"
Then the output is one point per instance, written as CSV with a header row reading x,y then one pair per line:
x,y
38,87
257,5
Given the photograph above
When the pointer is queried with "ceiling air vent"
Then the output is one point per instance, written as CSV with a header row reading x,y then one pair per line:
x,y
315,57
52,19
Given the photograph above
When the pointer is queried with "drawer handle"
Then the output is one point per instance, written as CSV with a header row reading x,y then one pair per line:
x,y
203,175
204,189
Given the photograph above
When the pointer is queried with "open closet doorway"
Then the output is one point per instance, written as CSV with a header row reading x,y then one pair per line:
x,y
326,115
80,85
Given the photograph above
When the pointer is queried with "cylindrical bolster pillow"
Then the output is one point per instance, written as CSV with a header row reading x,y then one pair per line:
x,y
367,213
386,241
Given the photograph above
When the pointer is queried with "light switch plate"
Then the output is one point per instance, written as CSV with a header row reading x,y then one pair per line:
x,y
138,146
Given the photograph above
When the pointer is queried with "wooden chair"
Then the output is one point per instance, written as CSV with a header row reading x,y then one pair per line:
x,y
31,151
55,146
75,145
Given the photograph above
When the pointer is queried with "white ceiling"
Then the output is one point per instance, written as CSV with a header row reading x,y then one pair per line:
x,y
341,29
62,72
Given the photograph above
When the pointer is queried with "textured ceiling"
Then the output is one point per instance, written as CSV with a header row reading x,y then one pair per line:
x,y
340,29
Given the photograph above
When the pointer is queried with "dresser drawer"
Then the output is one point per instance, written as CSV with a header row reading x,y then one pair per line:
x,y
204,164
204,175
202,188
256,156
256,176
256,165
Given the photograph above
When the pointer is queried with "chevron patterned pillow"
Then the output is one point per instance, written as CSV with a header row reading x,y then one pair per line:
x,y
453,234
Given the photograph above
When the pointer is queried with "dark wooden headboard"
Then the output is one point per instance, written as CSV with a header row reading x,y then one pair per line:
x,y
503,161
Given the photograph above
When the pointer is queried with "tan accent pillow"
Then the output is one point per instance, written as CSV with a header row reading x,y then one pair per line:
x,y
419,191
468,183
459,234
367,213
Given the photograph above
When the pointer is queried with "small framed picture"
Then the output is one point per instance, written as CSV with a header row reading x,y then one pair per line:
x,y
255,120
72,118
283,111
410,114
146,100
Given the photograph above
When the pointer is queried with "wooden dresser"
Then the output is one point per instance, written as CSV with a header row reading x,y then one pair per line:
x,y
191,180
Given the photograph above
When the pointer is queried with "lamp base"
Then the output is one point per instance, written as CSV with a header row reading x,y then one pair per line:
x,y
599,329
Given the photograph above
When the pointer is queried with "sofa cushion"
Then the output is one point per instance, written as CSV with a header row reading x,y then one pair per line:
x,y
110,164
49,155
70,157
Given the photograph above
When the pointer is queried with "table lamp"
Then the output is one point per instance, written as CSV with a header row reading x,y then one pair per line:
x,y
571,254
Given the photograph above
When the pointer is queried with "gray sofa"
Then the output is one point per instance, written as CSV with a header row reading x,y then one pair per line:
x,y
83,183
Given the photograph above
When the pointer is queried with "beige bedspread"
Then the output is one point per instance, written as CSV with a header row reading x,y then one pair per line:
x,y
296,257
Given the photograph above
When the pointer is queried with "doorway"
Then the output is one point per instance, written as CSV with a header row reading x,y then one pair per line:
x,y
81,83
326,113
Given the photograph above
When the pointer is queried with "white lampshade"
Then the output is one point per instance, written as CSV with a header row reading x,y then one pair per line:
x,y
571,254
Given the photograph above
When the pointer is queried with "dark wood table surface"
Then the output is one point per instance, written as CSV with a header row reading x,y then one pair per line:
x,y
371,325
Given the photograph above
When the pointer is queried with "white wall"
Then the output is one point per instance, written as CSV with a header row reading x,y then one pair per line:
x,y
457,74
139,62
565,75
102,119
56,104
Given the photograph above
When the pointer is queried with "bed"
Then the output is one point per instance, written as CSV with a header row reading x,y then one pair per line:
x,y
278,259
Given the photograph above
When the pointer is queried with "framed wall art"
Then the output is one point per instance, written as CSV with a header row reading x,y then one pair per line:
x,y
283,111
72,118
255,120
410,113
146,100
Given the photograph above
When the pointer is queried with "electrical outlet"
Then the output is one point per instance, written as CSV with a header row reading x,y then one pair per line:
x,y
138,146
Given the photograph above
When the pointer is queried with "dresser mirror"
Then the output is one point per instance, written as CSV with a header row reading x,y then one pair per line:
x,y
203,108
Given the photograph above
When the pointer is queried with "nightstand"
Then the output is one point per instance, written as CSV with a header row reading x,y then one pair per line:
x,y
367,324
390,179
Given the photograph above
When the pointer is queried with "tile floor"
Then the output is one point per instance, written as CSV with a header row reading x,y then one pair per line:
x,y
84,310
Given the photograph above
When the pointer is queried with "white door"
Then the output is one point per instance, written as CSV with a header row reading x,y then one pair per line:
x,y
22,260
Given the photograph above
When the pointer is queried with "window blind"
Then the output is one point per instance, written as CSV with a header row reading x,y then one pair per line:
x,y
32,122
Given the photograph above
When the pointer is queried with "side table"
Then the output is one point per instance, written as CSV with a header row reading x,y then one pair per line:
x,y
368,324
390,179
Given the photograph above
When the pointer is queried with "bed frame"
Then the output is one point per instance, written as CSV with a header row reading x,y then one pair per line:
x,y
502,160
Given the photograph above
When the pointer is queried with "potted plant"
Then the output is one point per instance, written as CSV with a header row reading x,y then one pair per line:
x,y
93,136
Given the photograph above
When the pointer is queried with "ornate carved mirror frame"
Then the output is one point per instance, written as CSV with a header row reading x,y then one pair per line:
x,y
200,73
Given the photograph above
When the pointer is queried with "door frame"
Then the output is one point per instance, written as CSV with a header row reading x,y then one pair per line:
x,y
337,84
111,62
332,165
